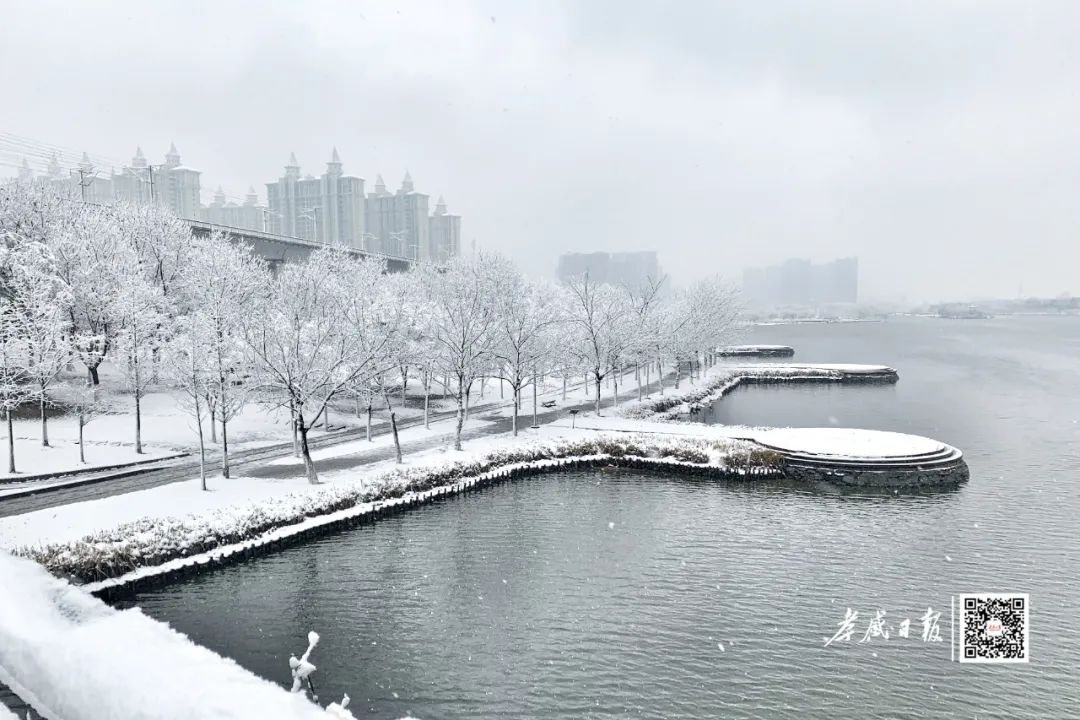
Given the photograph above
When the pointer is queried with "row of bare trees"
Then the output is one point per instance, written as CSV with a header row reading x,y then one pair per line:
x,y
212,322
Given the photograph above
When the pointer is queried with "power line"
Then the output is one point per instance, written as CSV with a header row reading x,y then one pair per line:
x,y
40,154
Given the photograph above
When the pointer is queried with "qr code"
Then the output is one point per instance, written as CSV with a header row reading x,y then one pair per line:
x,y
994,628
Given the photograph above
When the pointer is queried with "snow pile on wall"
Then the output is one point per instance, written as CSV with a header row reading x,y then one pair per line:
x,y
72,657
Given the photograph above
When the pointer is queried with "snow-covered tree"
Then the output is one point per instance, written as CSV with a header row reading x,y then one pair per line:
x,y
138,310
304,348
527,315
39,297
698,318
378,316
462,297
601,319
646,302
85,403
222,285
93,263
162,242
189,368
14,381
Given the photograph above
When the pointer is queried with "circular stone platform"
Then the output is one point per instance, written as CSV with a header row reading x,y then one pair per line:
x,y
864,457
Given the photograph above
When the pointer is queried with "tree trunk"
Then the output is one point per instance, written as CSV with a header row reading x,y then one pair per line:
x,y
224,446
11,443
615,387
564,387
678,373
393,426
309,466
460,423
404,384
138,422
514,416
660,376
44,420
94,379
648,379
82,424
213,428
356,399
502,395
326,418
369,421
427,407
397,442
466,418
202,445
535,424
295,439
483,382
598,379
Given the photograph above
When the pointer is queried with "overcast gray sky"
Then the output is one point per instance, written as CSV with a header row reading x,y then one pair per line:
x,y
938,141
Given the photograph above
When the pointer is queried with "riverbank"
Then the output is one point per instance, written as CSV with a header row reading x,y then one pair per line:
x,y
116,543
756,351
133,551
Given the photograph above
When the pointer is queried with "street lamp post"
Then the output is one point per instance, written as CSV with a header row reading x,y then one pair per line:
x,y
313,213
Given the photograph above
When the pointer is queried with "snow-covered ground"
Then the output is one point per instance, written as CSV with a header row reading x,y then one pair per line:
x,y
74,658
73,521
109,438
848,443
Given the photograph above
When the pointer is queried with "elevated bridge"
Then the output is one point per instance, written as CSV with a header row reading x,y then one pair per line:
x,y
276,249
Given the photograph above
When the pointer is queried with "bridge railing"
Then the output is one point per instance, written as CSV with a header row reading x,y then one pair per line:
x,y
208,227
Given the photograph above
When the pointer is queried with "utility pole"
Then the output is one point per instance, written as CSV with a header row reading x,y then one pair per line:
x,y
84,181
535,425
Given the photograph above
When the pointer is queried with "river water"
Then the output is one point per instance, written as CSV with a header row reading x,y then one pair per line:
x,y
618,594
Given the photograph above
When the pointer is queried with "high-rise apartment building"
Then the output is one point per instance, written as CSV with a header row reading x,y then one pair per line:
x,y
398,223
327,209
444,233
250,215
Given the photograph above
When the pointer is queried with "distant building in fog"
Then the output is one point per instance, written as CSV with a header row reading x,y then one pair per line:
x,y
445,233
250,215
170,185
623,268
800,282
398,222
327,209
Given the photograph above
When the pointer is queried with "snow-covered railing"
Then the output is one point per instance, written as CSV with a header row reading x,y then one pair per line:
x,y
72,657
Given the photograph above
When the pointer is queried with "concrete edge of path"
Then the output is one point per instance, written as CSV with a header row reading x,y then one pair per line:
x,y
83,476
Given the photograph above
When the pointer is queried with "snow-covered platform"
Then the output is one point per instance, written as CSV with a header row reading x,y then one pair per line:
x,y
756,351
867,458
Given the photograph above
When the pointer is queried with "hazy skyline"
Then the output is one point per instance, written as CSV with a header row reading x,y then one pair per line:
x,y
936,141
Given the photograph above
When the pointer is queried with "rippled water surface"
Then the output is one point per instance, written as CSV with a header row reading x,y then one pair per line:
x,y
615,594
